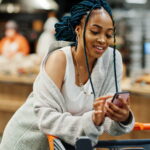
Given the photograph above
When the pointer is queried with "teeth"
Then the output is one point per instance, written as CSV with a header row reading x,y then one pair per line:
x,y
100,48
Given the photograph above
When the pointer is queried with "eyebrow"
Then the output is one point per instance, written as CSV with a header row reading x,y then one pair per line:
x,y
101,26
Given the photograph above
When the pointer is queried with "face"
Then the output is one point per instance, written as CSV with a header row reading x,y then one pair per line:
x,y
99,33
10,32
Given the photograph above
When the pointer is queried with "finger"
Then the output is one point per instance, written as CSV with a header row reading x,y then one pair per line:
x,y
100,101
98,109
114,107
117,109
120,115
109,112
117,112
117,117
114,115
98,112
104,97
99,104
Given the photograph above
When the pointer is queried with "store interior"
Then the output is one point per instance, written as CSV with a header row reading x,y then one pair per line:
x,y
17,74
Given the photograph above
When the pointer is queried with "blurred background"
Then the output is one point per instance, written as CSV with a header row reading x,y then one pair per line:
x,y
27,30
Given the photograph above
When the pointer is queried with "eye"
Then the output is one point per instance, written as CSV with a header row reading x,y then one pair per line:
x,y
94,32
109,36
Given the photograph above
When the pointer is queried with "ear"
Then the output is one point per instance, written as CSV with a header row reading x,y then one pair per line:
x,y
78,30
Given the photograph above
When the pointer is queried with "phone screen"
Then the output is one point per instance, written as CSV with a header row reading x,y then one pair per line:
x,y
124,95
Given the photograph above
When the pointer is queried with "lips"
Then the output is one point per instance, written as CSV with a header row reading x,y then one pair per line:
x,y
99,49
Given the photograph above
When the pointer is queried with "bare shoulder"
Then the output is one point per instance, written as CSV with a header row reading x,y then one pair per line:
x,y
56,58
55,67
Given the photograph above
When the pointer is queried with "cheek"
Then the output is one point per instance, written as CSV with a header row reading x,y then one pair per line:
x,y
110,41
90,38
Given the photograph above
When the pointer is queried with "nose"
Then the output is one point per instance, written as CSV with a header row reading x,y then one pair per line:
x,y
101,39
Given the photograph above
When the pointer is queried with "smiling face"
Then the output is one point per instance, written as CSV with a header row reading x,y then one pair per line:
x,y
99,33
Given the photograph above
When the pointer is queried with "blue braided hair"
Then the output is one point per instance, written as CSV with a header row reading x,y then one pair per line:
x,y
65,29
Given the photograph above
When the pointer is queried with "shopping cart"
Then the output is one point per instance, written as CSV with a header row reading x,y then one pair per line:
x,y
84,143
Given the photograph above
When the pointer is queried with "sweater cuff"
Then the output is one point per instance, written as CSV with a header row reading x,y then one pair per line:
x,y
92,131
129,121
129,125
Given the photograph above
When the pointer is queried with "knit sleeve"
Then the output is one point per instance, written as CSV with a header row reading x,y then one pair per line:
x,y
113,127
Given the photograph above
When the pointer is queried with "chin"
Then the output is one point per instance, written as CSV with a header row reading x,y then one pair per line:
x,y
97,54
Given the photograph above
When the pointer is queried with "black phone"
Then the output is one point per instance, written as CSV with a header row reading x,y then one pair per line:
x,y
125,95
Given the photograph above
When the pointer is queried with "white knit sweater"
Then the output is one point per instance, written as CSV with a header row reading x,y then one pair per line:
x,y
44,112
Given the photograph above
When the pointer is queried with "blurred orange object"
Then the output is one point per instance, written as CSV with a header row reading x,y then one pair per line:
x,y
137,126
18,44
145,78
13,42
51,141
141,126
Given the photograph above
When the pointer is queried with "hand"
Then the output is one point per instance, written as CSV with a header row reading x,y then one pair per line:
x,y
99,110
120,114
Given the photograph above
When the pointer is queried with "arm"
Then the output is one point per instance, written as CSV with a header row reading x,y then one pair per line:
x,y
55,67
112,124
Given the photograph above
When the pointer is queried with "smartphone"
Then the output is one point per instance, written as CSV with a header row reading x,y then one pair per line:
x,y
124,95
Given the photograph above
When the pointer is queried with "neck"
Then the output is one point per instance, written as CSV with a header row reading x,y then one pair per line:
x,y
80,57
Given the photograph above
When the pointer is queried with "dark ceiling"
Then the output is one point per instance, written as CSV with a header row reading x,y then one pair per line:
x,y
65,5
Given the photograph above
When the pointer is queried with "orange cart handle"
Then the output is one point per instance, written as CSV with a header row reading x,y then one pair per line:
x,y
51,139
137,126
141,126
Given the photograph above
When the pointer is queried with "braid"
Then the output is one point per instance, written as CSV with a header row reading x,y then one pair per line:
x,y
107,8
114,54
114,51
65,28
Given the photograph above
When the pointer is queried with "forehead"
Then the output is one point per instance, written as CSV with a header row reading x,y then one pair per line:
x,y
100,17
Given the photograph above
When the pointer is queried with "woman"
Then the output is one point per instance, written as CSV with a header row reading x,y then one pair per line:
x,y
63,102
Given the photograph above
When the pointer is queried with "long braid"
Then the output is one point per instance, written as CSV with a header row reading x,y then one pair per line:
x,y
65,28
114,54
85,53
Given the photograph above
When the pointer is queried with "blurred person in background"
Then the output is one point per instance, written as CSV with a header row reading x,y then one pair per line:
x,y
13,42
47,37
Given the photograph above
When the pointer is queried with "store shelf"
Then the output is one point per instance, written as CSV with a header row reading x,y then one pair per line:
x,y
24,79
13,93
142,89
7,105
137,88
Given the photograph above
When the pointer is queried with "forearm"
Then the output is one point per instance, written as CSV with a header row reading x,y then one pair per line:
x,y
65,126
116,128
